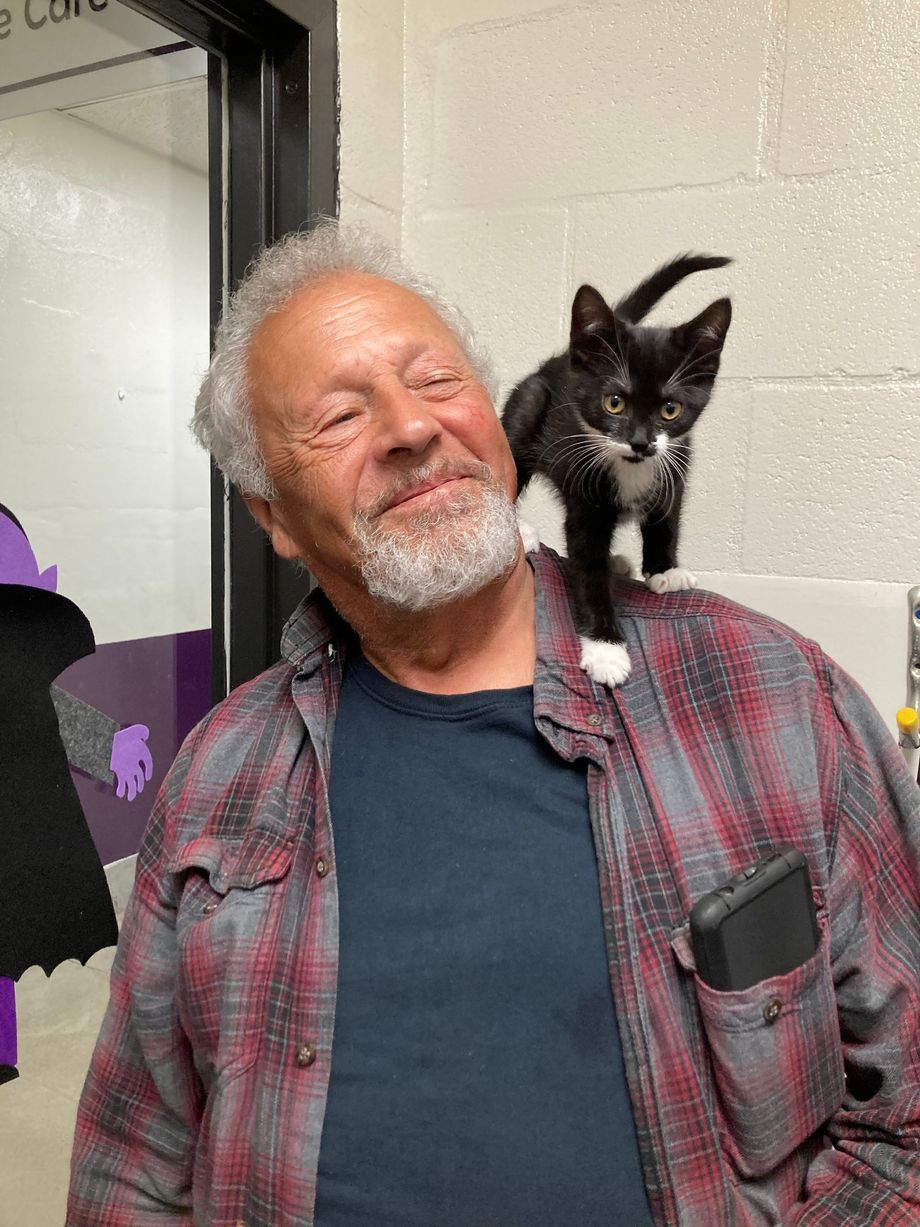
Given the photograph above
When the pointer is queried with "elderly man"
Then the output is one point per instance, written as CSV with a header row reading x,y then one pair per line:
x,y
408,941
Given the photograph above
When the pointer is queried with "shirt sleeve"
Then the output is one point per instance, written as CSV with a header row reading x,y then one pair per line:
x,y
140,1111
869,1173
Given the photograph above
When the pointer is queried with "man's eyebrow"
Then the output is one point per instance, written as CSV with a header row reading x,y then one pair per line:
x,y
441,353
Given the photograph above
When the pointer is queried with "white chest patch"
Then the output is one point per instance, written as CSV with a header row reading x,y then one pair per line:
x,y
636,481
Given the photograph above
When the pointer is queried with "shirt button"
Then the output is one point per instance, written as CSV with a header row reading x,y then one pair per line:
x,y
771,1010
209,908
306,1055
594,719
322,867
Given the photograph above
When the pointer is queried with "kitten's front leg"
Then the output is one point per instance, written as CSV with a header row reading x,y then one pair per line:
x,y
605,662
529,535
524,467
659,555
674,579
588,533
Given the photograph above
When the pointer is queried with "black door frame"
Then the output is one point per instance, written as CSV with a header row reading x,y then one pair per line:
x,y
272,167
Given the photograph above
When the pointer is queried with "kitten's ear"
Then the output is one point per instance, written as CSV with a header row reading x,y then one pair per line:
x,y
590,315
707,331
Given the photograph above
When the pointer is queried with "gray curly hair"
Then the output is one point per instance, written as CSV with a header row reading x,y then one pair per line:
x,y
222,422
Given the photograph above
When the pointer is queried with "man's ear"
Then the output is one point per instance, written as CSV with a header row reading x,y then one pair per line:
x,y
268,517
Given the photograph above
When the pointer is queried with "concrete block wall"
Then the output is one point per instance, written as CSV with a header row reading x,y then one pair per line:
x,y
543,144
372,100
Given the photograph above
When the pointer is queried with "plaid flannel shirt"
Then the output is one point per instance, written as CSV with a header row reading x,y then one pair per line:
x,y
205,1097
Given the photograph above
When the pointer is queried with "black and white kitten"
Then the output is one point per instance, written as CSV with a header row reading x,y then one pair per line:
x,y
608,422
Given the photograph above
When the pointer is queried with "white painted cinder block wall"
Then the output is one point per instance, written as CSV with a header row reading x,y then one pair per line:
x,y
372,100
546,144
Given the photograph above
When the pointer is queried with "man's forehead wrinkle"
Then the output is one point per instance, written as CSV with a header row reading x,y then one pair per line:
x,y
380,304
350,289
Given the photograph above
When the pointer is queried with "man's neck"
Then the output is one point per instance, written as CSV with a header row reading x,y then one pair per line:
x,y
486,641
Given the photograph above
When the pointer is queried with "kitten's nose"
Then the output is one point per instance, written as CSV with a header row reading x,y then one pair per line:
x,y
641,447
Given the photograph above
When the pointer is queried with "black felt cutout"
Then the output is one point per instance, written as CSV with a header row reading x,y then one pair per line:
x,y
54,898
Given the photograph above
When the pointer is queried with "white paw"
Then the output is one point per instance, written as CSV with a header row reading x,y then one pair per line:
x,y
608,663
675,580
621,566
529,536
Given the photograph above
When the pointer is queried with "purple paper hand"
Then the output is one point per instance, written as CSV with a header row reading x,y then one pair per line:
x,y
131,760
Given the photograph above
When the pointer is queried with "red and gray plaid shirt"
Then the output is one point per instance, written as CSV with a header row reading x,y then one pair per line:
x,y
206,1094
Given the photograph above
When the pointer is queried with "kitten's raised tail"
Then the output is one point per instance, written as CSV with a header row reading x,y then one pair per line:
x,y
637,304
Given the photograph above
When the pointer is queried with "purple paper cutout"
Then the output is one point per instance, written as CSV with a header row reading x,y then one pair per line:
x,y
8,1053
171,673
163,681
131,760
17,562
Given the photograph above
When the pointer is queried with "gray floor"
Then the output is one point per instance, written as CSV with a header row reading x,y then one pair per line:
x,y
59,1019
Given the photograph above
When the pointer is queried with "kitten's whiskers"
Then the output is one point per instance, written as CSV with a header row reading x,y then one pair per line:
x,y
579,437
664,483
574,453
689,362
586,468
674,467
617,361
622,356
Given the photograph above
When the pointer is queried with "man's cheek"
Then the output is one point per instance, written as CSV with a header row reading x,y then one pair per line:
x,y
476,424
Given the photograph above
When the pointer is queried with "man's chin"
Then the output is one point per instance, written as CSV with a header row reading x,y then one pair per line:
x,y
423,561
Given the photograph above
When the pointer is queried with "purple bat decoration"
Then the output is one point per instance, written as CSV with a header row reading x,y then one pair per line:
x,y
17,562
41,633
131,761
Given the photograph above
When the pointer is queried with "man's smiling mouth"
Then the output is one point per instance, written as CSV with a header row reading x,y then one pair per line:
x,y
424,488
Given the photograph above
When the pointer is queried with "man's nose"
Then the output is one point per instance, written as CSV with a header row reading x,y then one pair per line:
x,y
405,423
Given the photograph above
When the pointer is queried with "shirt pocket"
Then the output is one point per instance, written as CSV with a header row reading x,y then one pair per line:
x,y
230,900
776,1056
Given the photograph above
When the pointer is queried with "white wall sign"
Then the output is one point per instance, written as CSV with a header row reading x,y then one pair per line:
x,y
37,15
60,53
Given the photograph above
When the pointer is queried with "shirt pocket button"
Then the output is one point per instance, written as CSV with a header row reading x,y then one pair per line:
x,y
208,909
306,1055
772,1009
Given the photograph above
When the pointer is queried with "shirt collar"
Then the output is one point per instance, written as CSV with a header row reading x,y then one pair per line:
x,y
564,695
312,632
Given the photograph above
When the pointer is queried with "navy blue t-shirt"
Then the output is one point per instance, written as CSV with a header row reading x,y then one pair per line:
x,y
477,1077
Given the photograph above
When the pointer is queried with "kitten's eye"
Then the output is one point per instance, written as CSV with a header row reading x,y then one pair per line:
x,y
671,410
613,403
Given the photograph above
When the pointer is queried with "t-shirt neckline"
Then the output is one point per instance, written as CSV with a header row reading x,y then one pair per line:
x,y
391,694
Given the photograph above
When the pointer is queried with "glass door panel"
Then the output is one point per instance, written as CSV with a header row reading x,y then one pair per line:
x,y
141,166
104,310
105,520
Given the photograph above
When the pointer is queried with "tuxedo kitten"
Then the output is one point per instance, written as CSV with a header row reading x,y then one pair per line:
x,y
609,422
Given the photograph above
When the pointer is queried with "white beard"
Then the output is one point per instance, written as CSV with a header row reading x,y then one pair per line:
x,y
436,555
